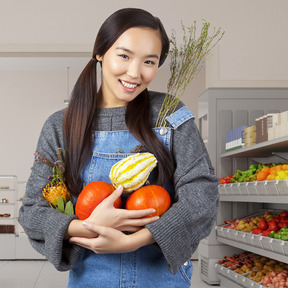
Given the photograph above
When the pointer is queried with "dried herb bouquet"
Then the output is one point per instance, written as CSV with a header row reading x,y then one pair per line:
x,y
185,63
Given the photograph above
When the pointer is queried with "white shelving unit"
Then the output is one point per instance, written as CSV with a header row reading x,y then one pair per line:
x,y
14,242
8,186
229,108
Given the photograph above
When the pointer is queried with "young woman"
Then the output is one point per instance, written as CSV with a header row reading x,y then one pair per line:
x,y
116,247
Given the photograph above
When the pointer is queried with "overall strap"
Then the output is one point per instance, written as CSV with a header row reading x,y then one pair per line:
x,y
179,117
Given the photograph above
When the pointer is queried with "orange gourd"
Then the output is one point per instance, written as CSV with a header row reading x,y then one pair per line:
x,y
91,196
150,196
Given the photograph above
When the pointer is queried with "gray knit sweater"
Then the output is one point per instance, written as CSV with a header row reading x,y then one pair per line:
x,y
177,232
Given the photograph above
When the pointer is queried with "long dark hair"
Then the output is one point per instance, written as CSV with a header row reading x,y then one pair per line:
x,y
80,114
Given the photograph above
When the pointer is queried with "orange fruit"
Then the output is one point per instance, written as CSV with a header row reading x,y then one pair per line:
x,y
285,167
265,169
262,175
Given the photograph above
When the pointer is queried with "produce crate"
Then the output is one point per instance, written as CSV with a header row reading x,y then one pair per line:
x,y
256,241
234,234
239,279
241,236
248,283
282,187
266,243
248,238
243,188
221,189
226,232
271,188
261,188
235,189
285,247
220,231
278,246
228,189
251,187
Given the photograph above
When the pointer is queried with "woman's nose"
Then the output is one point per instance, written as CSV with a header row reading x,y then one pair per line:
x,y
134,70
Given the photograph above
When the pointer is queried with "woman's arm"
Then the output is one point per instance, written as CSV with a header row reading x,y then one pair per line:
x,y
45,226
111,240
192,216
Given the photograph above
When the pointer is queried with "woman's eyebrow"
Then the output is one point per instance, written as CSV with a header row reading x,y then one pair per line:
x,y
131,52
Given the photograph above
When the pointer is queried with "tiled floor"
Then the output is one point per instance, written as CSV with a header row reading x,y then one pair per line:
x,y
41,274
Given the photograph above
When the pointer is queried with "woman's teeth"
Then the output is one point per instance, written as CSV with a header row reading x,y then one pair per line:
x,y
128,85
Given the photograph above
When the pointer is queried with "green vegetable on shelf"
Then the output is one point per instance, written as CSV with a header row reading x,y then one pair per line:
x,y
282,235
248,175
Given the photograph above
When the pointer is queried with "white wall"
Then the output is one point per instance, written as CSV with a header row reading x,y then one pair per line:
x,y
254,47
253,53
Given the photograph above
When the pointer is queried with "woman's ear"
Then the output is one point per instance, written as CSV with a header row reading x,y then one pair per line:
x,y
99,58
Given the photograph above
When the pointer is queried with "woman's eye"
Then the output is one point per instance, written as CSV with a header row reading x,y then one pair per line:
x,y
149,62
124,56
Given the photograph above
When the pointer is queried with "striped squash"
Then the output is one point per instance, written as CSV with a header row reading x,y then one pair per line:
x,y
132,171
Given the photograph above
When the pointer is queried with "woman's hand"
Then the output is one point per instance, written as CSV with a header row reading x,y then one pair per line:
x,y
105,214
111,240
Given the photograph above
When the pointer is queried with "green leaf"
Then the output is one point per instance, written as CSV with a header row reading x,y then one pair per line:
x,y
69,210
60,204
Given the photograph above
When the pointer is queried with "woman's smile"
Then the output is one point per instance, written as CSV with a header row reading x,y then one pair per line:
x,y
128,86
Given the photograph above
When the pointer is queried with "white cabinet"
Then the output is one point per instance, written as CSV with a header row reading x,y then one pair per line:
x,y
14,243
229,108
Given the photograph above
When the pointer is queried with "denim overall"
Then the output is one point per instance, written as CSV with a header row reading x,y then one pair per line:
x,y
145,267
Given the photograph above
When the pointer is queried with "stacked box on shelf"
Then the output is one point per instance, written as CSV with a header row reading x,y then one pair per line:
x,y
272,122
250,136
235,139
258,124
281,129
261,129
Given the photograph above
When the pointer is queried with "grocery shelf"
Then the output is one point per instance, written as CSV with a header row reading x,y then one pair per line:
x,y
255,199
269,191
257,250
227,109
260,149
231,279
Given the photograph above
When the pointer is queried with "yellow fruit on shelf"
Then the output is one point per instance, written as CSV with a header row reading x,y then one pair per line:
x,y
281,175
271,177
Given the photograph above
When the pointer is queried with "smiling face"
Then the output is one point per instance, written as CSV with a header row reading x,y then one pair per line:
x,y
129,66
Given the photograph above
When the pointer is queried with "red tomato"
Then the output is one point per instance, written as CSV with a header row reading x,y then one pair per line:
x,y
91,196
150,196
284,214
277,219
282,224
222,180
257,231
273,226
262,224
267,232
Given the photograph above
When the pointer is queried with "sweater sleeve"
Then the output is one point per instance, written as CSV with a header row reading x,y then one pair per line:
x,y
192,216
45,226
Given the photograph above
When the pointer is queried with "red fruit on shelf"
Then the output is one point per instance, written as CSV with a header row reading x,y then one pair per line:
x,y
266,232
273,226
282,224
257,231
263,224
284,214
